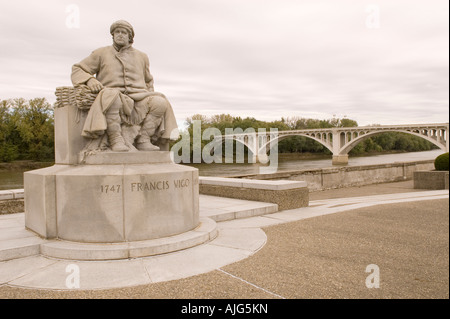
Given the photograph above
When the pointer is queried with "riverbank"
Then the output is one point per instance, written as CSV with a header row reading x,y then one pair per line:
x,y
11,174
319,156
23,165
29,164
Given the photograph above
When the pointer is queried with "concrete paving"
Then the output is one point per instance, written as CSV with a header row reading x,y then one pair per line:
x,y
310,252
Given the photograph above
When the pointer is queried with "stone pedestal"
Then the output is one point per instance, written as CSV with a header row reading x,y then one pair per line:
x,y
149,197
141,202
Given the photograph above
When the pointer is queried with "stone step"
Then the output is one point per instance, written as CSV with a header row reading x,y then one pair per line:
x,y
17,242
225,209
206,231
20,247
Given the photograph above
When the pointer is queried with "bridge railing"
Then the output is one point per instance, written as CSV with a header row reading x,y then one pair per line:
x,y
355,128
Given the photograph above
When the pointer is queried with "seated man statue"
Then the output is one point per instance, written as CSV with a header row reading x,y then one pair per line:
x,y
126,108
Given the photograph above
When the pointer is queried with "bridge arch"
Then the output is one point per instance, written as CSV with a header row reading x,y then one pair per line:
x,y
324,139
220,140
348,146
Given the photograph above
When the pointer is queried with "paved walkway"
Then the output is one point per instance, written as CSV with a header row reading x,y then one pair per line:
x,y
401,231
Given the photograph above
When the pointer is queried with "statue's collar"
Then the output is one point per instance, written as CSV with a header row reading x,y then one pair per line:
x,y
121,49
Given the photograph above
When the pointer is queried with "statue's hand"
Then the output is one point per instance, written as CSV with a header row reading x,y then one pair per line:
x,y
94,85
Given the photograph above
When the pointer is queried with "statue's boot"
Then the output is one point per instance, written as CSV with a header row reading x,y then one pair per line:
x,y
148,129
114,132
129,134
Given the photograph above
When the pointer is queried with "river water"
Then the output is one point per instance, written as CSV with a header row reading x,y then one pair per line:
x,y
290,163
14,179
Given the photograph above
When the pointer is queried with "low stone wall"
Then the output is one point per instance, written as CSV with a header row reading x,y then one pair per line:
x,y
348,176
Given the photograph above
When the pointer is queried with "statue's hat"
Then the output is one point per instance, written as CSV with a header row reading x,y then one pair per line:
x,y
122,24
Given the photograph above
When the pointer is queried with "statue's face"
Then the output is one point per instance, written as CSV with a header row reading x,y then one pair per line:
x,y
121,36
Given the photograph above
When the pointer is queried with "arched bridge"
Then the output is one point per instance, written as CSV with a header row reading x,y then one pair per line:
x,y
339,140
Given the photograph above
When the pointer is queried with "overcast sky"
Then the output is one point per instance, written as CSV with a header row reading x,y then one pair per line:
x,y
377,62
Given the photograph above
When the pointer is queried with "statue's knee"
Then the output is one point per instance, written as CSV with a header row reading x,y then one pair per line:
x,y
158,105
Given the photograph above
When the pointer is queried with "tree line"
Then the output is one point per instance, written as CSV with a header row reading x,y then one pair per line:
x,y
27,132
384,142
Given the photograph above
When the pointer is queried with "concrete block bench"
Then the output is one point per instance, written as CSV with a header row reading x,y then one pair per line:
x,y
11,194
286,194
431,179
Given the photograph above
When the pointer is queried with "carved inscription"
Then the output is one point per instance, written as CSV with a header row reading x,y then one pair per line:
x,y
180,183
149,186
159,185
109,188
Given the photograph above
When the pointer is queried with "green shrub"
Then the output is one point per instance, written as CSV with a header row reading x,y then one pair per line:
x,y
8,152
441,162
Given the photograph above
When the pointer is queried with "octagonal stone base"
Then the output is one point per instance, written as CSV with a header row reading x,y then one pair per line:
x,y
61,249
113,203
